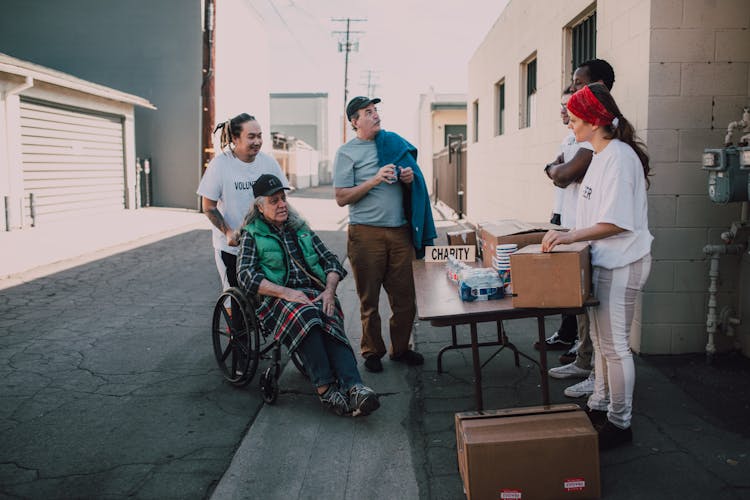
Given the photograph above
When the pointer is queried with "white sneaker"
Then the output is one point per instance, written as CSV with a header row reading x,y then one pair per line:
x,y
568,371
581,389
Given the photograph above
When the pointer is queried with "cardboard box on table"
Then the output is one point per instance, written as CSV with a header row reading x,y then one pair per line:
x,y
500,232
538,453
561,278
462,237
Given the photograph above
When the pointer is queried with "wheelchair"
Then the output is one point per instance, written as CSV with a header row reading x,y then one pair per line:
x,y
240,342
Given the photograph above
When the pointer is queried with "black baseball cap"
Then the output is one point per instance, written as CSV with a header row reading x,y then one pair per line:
x,y
358,103
266,185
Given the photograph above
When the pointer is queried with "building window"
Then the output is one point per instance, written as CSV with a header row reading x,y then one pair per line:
x,y
583,41
528,99
500,115
475,114
454,130
580,41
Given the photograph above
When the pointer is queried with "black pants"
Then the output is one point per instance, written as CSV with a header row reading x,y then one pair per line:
x,y
568,330
230,261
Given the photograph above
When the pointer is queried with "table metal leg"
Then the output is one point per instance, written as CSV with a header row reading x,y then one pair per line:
x,y
454,345
502,337
543,360
477,367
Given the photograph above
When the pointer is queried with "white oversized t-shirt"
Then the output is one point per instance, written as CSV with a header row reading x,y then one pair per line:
x,y
230,181
614,191
569,195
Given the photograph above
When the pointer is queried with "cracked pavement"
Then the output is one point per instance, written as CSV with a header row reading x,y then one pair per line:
x,y
109,386
109,389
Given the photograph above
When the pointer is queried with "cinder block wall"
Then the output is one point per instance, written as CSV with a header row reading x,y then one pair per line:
x,y
682,74
699,61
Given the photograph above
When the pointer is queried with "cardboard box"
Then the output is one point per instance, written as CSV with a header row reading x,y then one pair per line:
x,y
561,278
545,452
462,237
500,232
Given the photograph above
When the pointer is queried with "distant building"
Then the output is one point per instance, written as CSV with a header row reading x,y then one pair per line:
x,y
67,146
304,116
681,76
297,159
440,115
152,49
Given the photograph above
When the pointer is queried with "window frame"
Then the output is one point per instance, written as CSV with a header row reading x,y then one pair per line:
x,y
475,120
528,91
500,107
568,35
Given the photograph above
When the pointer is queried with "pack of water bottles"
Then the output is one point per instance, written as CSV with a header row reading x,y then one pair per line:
x,y
480,284
454,268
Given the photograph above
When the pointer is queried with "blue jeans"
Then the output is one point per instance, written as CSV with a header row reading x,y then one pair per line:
x,y
328,360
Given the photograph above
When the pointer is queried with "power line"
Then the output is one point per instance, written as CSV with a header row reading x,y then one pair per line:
x,y
289,29
347,46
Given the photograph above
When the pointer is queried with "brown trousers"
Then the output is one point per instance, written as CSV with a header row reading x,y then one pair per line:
x,y
381,256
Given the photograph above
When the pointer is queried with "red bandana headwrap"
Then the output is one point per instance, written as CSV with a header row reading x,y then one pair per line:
x,y
588,108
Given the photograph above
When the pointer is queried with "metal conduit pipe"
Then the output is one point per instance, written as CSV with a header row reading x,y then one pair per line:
x,y
712,323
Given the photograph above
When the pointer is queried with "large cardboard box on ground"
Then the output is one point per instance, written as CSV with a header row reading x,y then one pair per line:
x,y
537,453
561,278
500,232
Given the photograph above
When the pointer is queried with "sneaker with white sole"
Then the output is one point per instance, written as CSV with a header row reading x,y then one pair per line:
x,y
363,400
568,371
581,389
335,400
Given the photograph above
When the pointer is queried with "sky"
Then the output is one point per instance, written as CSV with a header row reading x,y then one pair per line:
x,y
407,45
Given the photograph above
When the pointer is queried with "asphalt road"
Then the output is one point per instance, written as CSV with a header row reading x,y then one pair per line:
x,y
109,386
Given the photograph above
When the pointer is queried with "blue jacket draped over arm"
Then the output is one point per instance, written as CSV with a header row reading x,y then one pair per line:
x,y
392,148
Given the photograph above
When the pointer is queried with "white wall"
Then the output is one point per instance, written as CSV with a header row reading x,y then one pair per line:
x,y
11,168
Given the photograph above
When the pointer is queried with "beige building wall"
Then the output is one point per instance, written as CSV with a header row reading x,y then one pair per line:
x,y
441,118
682,73
505,171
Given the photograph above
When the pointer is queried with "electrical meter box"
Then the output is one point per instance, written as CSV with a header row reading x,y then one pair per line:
x,y
727,181
744,156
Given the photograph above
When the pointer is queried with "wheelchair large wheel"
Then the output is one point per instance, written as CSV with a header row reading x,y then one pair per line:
x,y
235,337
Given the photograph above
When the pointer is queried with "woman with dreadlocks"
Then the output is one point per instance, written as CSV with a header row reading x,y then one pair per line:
x,y
612,214
227,187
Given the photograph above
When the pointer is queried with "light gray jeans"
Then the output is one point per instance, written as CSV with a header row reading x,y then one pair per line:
x,y
618,291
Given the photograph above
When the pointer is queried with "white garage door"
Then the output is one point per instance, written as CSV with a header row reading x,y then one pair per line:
x,y
73,161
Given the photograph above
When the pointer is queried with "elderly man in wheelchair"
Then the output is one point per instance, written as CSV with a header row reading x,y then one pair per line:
x,y
284,262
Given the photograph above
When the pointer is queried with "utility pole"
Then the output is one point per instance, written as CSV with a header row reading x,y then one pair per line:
x,y
346,46
372,83
207,87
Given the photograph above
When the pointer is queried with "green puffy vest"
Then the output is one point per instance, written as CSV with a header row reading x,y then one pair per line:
x,y
273,258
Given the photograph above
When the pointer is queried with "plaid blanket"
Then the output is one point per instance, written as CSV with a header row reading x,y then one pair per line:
x,y
290,321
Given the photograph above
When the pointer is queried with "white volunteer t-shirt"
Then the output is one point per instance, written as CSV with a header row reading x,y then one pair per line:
x,y
569,196
559,196
614,191
230,181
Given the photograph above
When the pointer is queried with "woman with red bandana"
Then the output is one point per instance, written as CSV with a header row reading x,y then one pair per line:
x,y
612,215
